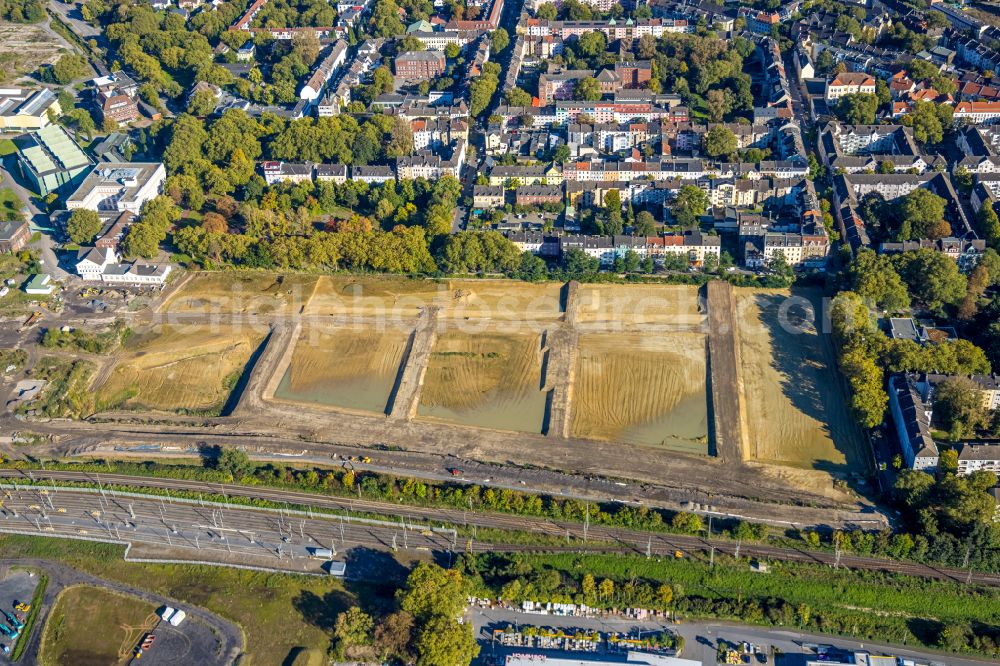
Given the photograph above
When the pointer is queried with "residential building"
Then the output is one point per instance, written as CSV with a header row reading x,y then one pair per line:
x,y
327,67
911,402
290,172
50,160
115,97
848,83
25,110
119,186
911,416
965,252
532,195
487,197
419,65
247,52
978,112
14,235
332,172
979,456
373,175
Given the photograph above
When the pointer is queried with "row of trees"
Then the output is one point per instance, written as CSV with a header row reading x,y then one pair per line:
x,y
483,87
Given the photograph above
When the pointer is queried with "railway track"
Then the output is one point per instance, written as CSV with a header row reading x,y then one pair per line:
x,y
625,540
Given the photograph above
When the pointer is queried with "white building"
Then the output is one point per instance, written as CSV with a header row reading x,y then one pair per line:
x,y
978,112
849,83
99,264
119,187
92,261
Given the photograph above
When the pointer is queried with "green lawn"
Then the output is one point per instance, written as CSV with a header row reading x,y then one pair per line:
x,y
7,147
10,204
114,623
279,613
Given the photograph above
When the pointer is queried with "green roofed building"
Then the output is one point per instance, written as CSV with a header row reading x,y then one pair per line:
x,y
419,26
50,160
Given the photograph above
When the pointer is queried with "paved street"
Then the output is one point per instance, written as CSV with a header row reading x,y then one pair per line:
x,y
38,219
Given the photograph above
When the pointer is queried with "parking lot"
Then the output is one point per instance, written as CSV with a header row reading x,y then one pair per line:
x,y
15,585
190,643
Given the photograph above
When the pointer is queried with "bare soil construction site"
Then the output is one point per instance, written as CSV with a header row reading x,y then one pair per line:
x,y
707,391
187,368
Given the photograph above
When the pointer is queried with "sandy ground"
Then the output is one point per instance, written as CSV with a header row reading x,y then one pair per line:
x,y
642,389
178,368
502,301
389,298
795,405
341,367
619,307
23,48
487,379
241,293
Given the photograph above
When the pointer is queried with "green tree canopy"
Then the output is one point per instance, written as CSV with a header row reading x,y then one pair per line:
x,y
875,280
959,407
922,214
518,97
857,108
932,277
587,89
689,205
83,225
720,142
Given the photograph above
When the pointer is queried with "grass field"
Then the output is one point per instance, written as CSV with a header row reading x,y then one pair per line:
x,y
242,293
114,623
793,399
642,389
24,47
491,380
621,307
278,613
191,369
348,367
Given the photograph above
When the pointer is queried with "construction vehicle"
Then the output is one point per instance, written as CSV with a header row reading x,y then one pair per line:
x,y
366,459
21,606
12,619
31,320
678,554
8,632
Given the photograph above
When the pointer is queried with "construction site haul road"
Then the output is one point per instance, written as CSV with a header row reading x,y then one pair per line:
x,y
691,396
